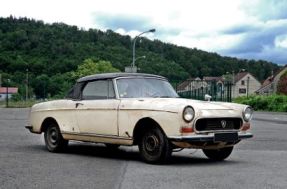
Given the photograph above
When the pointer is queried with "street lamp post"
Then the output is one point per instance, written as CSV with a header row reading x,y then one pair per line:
x,y
134,45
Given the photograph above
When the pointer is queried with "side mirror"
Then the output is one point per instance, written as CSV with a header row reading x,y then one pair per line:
x,y
207,97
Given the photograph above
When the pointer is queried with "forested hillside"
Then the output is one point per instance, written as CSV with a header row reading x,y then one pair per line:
x,y
51,52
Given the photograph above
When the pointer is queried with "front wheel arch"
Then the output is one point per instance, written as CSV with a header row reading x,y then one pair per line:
x,y
143,125
46,123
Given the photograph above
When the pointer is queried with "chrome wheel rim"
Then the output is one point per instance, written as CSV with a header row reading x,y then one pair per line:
x,y
53,136
151,143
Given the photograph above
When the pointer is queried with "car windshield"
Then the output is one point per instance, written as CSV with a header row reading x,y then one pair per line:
x,y
145,88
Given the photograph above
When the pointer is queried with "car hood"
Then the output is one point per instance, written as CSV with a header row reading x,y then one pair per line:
x,y
177,104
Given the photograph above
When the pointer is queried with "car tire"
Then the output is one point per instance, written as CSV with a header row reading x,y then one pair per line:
x,y
53,139
218,154
112,146
154,146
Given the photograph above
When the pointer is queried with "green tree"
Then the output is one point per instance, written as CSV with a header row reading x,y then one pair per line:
x,y
54,54
40,85
91,66
59,85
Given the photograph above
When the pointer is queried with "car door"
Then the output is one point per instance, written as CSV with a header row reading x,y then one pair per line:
x,y
98,109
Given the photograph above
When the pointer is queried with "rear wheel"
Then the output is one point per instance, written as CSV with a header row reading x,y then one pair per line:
x,y
218,154
154,147
53,138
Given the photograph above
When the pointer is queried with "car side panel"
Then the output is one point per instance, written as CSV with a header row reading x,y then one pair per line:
x,y
131,111
98,117
62,111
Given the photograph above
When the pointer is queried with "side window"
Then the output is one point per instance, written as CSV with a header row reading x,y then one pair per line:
x,y
70,94
111,91
75,92
101,89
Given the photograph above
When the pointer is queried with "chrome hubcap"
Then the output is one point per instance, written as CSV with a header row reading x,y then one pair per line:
x,y
151,143
53,136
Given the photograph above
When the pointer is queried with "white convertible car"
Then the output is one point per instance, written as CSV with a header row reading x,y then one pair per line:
x,y
140,109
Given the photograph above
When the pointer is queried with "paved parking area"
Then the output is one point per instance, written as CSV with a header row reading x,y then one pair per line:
x,y
25,163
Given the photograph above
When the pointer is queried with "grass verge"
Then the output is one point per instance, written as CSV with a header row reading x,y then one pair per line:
x,y
18,104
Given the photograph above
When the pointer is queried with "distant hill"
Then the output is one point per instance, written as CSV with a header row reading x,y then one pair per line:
x,y
50,51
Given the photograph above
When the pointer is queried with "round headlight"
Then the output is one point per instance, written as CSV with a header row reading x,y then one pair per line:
x,y
247,113
188,114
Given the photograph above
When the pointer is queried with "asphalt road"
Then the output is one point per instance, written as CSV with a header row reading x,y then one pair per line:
x,y
260,162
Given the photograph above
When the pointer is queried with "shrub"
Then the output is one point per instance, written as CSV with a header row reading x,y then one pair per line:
x,y
277,103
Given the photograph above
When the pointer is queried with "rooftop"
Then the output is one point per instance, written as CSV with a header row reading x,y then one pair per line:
x,y
11,90
240,75
116,75
212,78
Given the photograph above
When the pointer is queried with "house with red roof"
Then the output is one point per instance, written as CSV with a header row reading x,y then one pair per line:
x,y
189,84
10,92
269,86
197,83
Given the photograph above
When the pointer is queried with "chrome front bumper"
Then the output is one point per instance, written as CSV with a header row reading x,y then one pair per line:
x,y
212,137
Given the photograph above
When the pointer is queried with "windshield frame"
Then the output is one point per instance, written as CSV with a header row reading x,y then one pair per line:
x,y
132,77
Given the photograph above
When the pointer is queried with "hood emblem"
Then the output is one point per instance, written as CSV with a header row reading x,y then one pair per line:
x,y
223,123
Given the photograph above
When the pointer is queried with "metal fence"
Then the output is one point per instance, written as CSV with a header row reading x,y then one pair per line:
x,y
197,89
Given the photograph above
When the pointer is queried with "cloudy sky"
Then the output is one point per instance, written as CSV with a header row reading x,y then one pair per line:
x,y
251,29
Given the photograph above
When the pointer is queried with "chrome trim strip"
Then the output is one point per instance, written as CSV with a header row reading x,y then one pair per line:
x,y
116,89
72,109
221,131
98,109
97,135
209,137
148,110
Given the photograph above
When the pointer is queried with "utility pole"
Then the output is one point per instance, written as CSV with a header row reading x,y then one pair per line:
x,y
7,93
7,96
248,86
233,83
27,85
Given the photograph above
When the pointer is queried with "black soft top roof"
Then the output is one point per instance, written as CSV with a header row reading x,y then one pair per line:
x,y
116,75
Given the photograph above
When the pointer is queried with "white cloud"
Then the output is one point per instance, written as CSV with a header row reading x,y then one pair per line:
x,y
281,41
133,33
265,9
217,26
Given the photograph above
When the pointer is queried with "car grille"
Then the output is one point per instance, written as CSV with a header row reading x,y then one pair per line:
x,y
213,124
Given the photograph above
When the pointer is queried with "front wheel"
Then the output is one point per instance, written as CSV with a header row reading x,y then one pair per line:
x,y
154,147
218,154
53,139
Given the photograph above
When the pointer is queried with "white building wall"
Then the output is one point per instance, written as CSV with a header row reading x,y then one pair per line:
x,y
248,87
3,96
